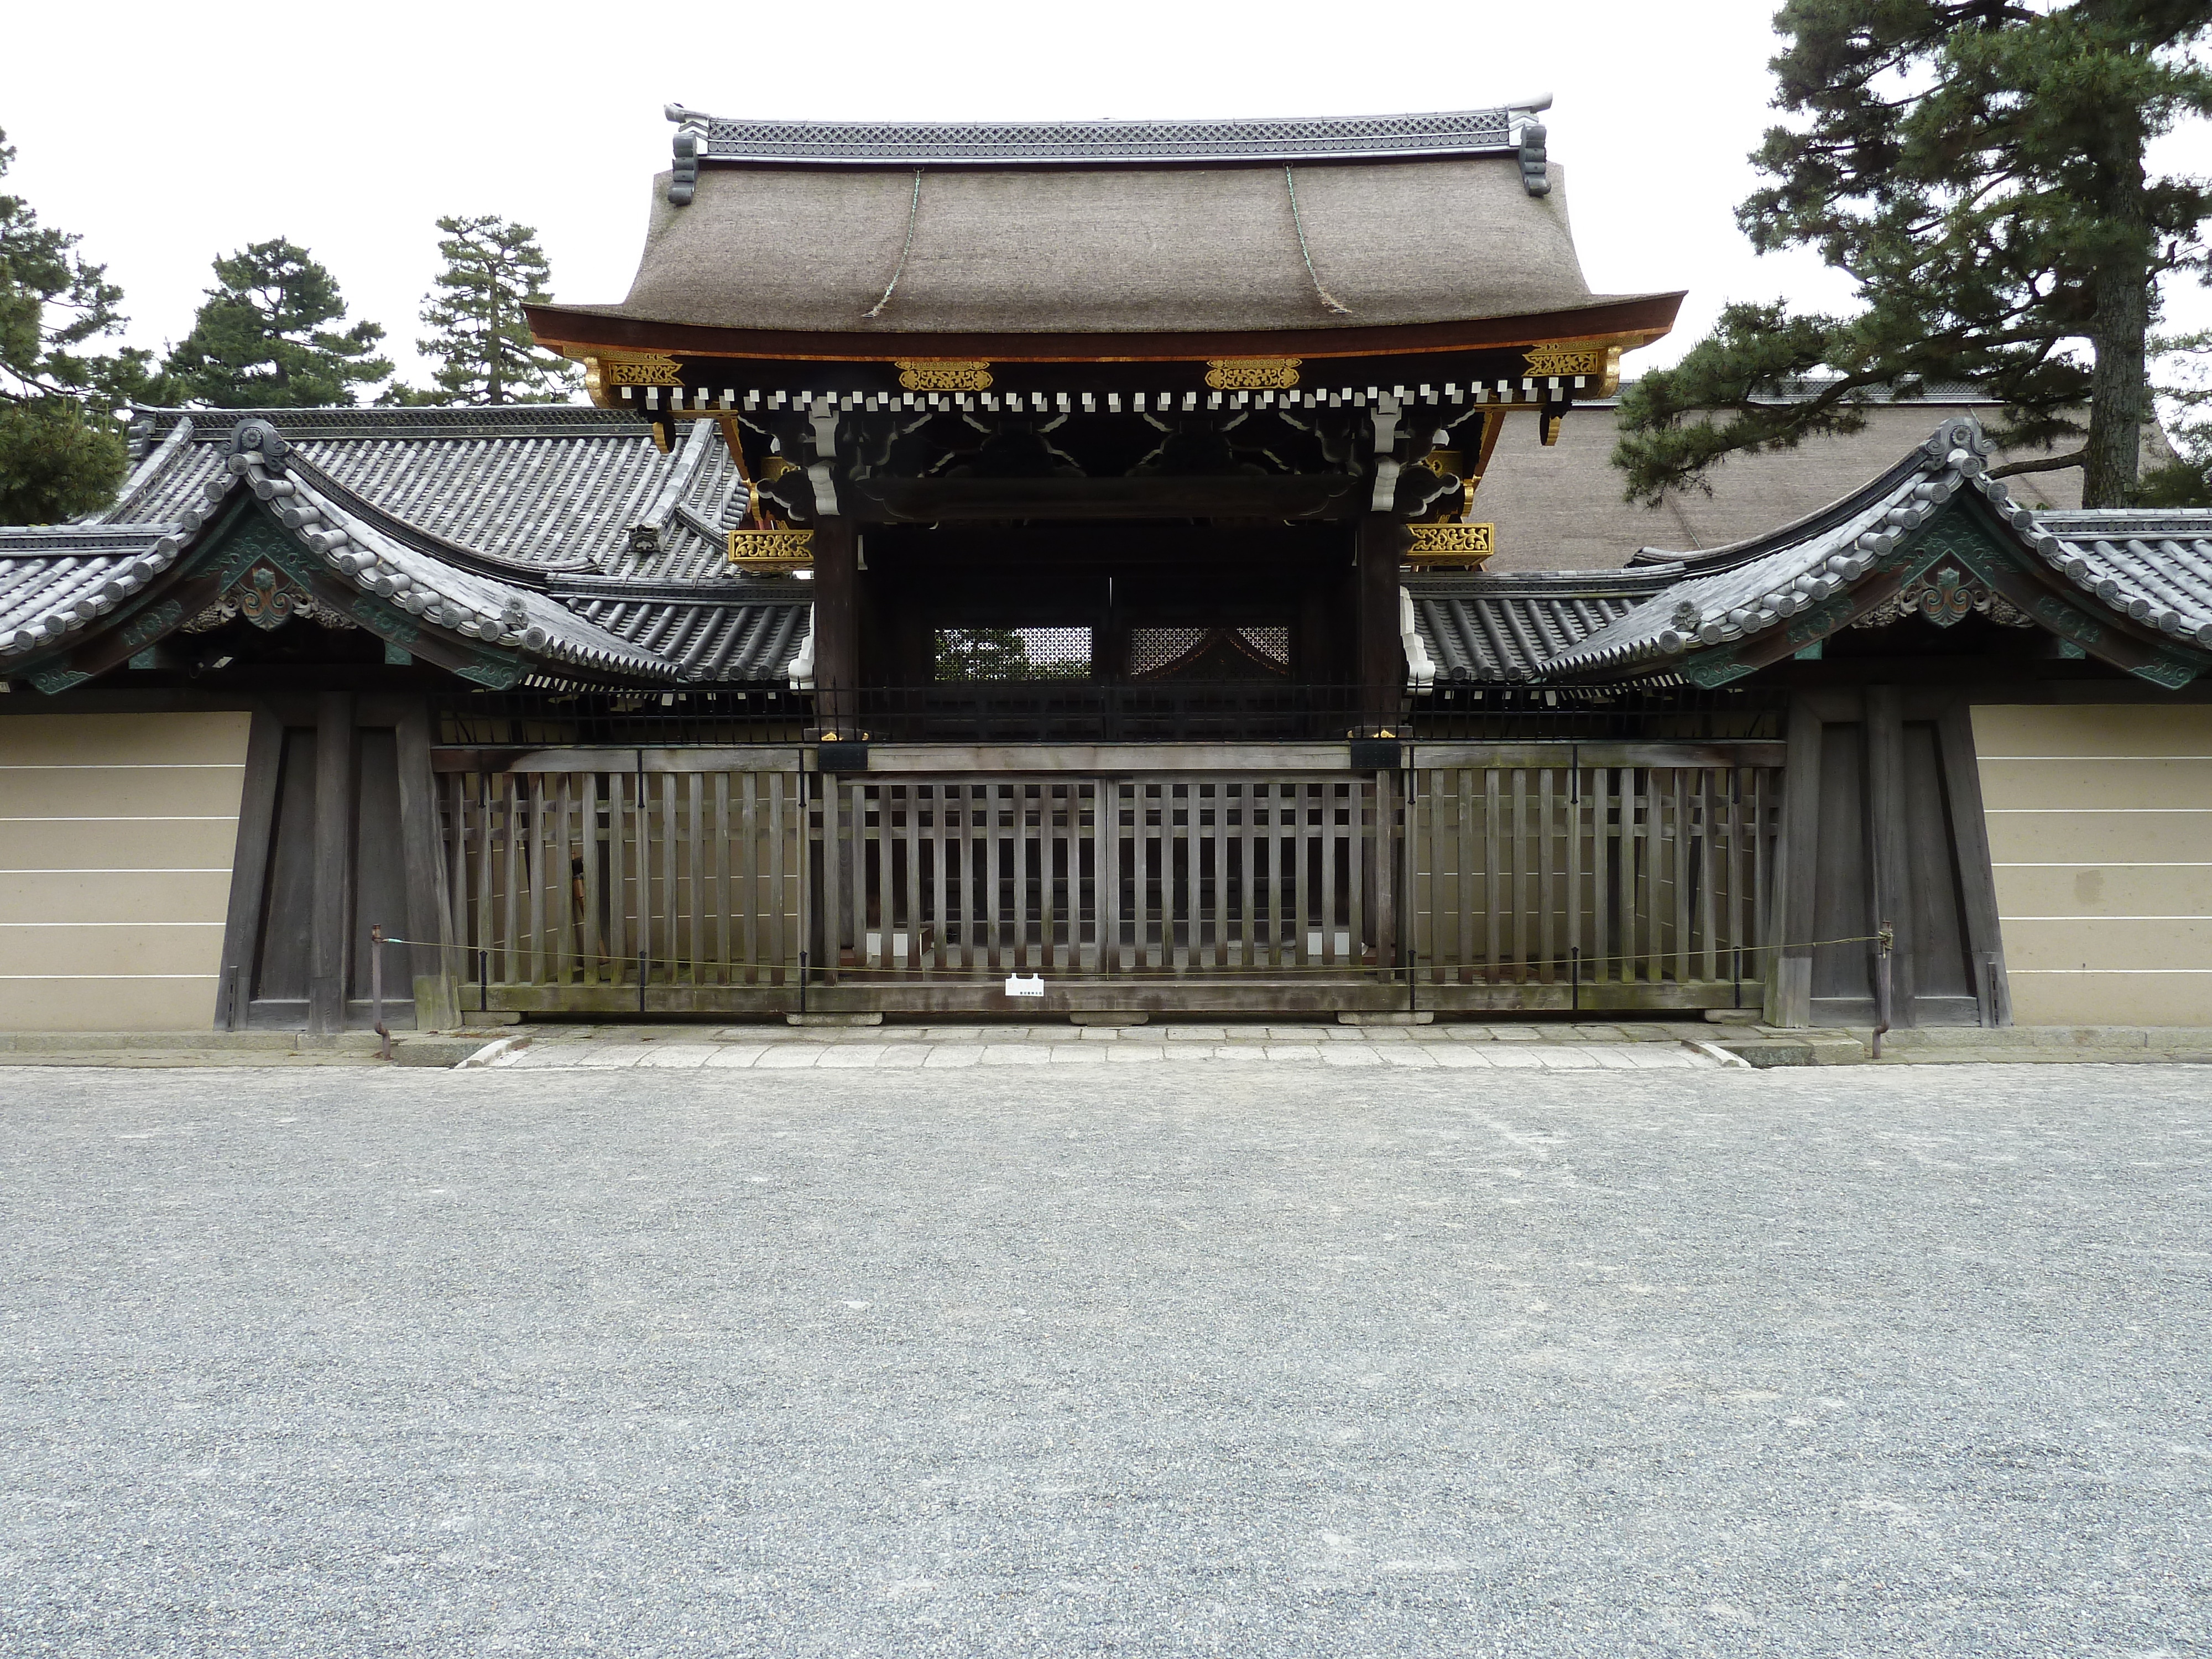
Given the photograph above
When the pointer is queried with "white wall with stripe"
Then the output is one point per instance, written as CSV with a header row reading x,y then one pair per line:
x,y
117,834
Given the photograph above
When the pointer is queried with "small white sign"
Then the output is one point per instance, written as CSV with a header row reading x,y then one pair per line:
x,y
1024,985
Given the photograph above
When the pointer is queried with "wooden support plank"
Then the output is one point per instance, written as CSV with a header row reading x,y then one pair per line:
x,y
530,792
1680,787
331,928
831,944
249,870
1522,884
786,872
1547,869
1389,854
1710,784
1891,885
700,952
1962,788
1572,946
1332,843
592,944
725,900
1795,871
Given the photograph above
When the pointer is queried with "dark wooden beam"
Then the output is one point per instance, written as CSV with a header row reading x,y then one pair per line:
x,y
249,869
429,916
1648,315
331,928
1892,886
1381,657
944,500
1962,787
1797,870
836,614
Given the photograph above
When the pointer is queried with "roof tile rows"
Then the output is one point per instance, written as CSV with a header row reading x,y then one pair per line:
x,y
567,535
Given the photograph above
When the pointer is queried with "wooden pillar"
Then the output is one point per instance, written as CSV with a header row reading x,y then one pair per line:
x,y
429,916
836,621
1892,884
330,935
1962,788
1381,666
249,869
1796,864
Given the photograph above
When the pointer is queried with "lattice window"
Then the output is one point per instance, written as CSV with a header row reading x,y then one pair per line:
x,y
1226,651
1012,653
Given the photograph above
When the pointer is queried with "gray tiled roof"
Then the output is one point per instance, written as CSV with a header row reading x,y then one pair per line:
x,y
1494,629
1014,144
749,635
2155,568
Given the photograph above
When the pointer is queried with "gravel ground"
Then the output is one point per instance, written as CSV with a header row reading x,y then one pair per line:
x,y
1253,1360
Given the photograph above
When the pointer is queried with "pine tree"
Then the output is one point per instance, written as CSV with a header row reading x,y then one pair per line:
x,y
260,341
481,340
1977,166
60,450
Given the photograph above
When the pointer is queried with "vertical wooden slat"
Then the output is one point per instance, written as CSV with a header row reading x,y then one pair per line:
x,y
616,945
1575,807
1629,797
511,954
786,911
531,796
1547,863
1602,948
753,896
591,945
1492,897
1681,876
564,879
1330,842
942,836
1708,865
1358,860
833,911
457,857
724,898
1108,875
1521,887
911,797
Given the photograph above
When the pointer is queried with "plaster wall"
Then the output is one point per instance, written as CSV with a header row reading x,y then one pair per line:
x,y
117,836
2100,840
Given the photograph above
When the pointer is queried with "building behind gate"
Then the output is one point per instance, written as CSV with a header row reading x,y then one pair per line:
x,y
1047,568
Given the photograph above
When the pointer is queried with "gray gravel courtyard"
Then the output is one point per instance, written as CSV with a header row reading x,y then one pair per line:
x,y
1253,1360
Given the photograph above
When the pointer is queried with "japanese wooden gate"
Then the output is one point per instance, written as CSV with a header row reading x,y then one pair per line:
x,y
1160,879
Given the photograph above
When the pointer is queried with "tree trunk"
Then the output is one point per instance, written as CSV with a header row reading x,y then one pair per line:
x,y
2121,291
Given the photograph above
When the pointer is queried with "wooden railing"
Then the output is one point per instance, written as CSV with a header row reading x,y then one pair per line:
x,y
1629,875
736,880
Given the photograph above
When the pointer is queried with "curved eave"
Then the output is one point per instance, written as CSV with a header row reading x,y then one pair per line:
x,y
1636,320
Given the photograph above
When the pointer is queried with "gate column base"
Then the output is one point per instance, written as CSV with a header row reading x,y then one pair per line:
x,y
1349,1017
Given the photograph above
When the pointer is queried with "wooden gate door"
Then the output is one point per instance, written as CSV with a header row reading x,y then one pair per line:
x,y
1199,890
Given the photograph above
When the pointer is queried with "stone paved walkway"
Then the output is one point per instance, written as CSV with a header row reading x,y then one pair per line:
x,y
1578,1048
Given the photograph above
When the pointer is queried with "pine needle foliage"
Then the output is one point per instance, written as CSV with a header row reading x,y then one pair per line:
x,y
61,449
1977,168
270,335
480,340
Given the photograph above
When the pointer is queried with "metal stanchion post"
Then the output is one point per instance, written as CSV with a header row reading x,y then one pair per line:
x,y
376,986
1884,937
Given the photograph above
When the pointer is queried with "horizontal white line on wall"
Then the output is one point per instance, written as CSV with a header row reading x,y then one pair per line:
x,y
2094,758
131,817
129,870
2086,811
2016,972
2196,917
4,923
45,976
2112,863
122,766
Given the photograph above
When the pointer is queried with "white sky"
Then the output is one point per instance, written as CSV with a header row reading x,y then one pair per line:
x,y
167,133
